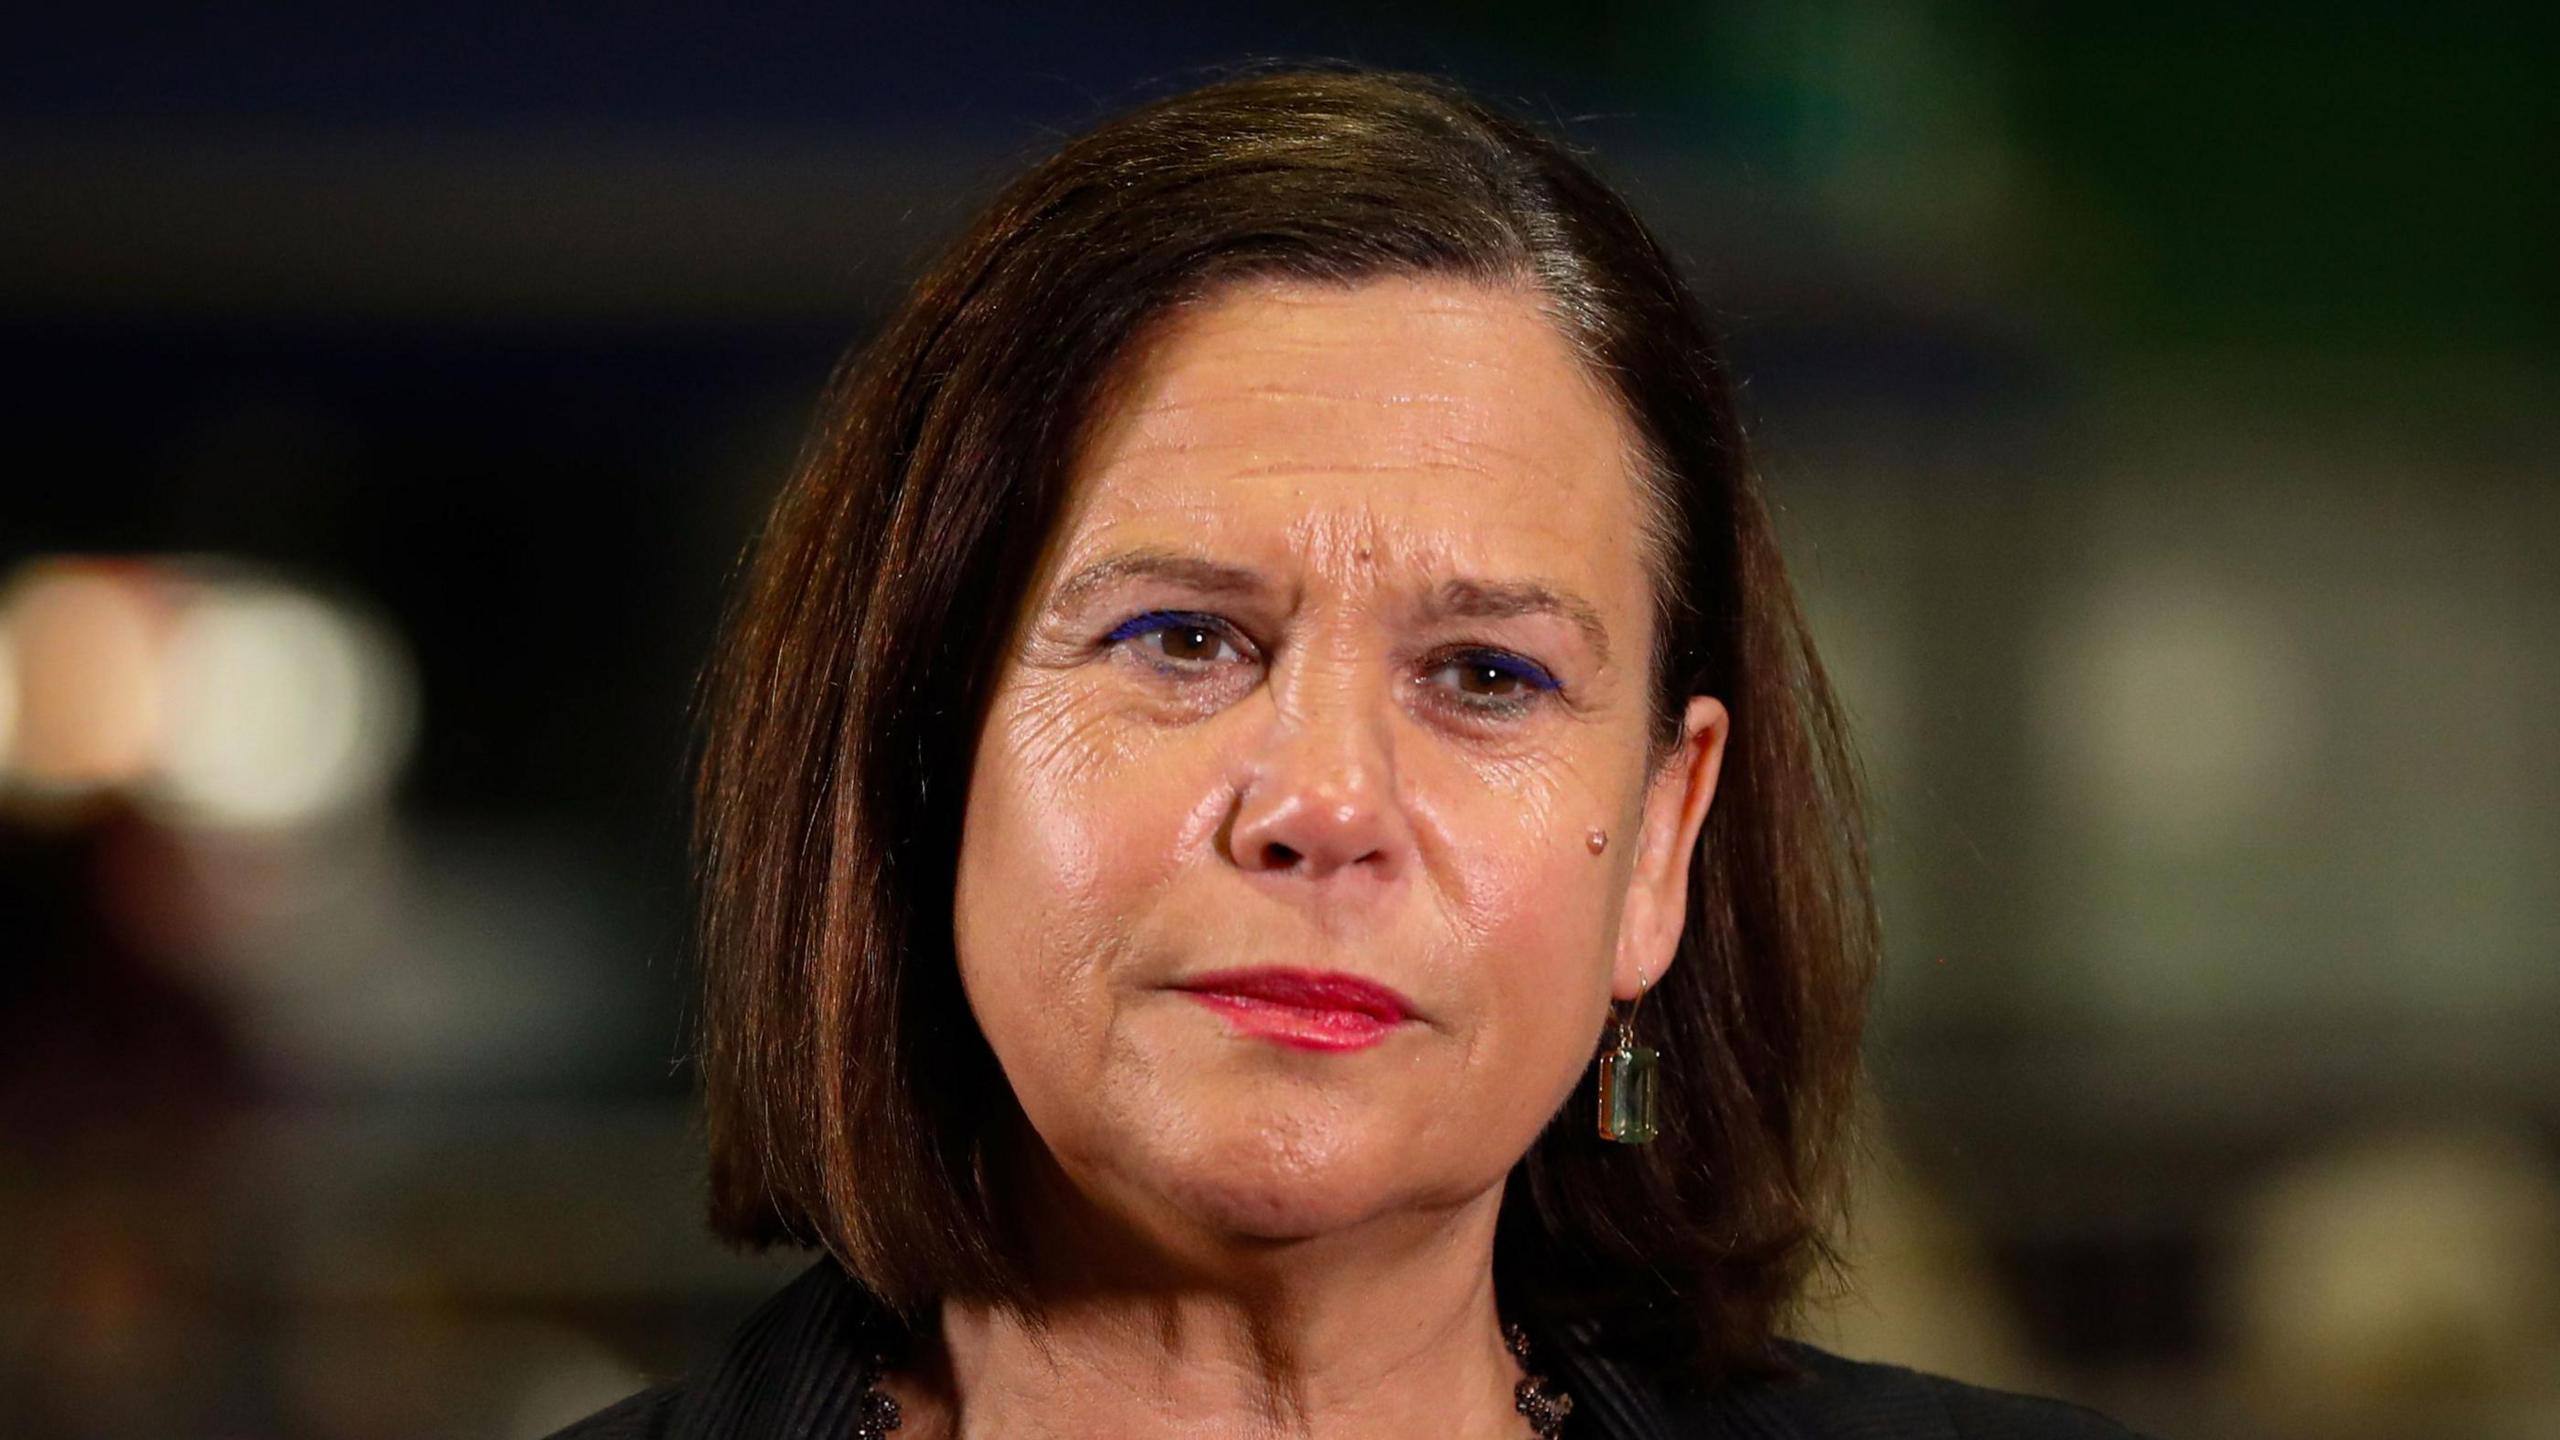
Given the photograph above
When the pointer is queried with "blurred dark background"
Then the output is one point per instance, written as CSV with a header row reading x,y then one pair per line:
x,y
2161,400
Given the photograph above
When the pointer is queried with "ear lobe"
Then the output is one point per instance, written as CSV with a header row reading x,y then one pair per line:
x,y
1676,798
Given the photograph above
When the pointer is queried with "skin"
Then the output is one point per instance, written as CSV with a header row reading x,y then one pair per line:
x,y
1309,763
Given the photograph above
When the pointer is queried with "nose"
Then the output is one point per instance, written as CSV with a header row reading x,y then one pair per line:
x,y
1320,799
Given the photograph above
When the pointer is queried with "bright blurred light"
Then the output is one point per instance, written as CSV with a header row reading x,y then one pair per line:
x,y
283,708
88,707
2417,1269
2182,707
218,696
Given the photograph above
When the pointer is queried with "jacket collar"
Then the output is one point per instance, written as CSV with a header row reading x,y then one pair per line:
x,y
1620,1403
1626,1403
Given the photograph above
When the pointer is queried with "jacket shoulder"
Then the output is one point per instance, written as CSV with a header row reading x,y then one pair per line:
x,y
1861,1398
644,1416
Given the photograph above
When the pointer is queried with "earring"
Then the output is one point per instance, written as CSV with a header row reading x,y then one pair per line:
x,y
1626,1082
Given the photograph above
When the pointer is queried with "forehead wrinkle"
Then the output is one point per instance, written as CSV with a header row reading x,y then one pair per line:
x,y
1150,453
1437,404
1179,410
1288,469
1250,366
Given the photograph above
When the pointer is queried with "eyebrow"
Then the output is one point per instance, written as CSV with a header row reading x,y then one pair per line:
x,y
1210,577
1458,598
1504,599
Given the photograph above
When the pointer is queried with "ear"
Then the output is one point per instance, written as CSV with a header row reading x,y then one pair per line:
x,y
1675,807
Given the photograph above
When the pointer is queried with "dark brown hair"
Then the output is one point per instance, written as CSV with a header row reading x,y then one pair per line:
x,y
852,1102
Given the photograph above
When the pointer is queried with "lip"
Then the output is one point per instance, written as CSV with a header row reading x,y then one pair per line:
x,y
1304,1009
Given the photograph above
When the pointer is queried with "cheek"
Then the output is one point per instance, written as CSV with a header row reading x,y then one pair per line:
x,y
1536,912
1552,965
1069,827
1515,855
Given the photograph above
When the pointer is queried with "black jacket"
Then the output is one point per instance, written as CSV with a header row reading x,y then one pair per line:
x,y
795,1368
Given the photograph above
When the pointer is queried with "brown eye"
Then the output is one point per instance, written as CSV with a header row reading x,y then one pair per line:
x,y
1178,642
1491,681
1190,642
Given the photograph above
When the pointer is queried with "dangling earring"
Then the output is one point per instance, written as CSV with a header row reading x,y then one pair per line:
x,y
1626,1081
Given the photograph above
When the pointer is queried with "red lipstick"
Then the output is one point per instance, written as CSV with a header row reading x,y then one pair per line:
x,y
1305,1009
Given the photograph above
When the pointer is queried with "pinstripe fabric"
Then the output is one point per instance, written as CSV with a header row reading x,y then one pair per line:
x,y
795,1371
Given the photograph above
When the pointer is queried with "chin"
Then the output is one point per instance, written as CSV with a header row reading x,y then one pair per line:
x,y
1272,1208
1253,1147
1279,1176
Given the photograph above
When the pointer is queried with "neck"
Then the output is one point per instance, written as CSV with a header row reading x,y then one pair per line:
x,y
1387,1329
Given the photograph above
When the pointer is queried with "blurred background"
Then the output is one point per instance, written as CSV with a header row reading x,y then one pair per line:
x,y
2162,404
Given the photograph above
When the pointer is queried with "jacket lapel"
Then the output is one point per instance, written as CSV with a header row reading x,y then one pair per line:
x,y
795,1370
1623,1403
1614,1402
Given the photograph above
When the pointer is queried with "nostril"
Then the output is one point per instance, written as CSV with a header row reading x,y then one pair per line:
x,y
1279,856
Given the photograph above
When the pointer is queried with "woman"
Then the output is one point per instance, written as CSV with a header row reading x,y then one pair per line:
x,y
1277,858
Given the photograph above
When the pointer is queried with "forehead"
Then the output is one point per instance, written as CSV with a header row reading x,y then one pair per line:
x,y
1427,419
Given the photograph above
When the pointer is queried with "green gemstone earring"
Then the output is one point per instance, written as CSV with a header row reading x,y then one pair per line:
x,y
1626,1082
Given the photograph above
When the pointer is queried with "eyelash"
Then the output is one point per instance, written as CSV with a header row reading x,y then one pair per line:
x,y
1535,678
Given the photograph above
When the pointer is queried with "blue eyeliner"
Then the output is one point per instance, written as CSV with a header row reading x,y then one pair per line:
x,y
1137,625
1512,667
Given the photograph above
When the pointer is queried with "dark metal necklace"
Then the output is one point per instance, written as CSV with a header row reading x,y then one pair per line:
x,y
1535,1397
875,1412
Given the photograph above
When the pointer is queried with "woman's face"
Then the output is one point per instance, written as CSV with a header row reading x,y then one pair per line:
x,y
1278,899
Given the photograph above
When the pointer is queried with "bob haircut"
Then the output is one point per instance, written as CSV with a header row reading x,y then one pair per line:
x,y
852,1102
